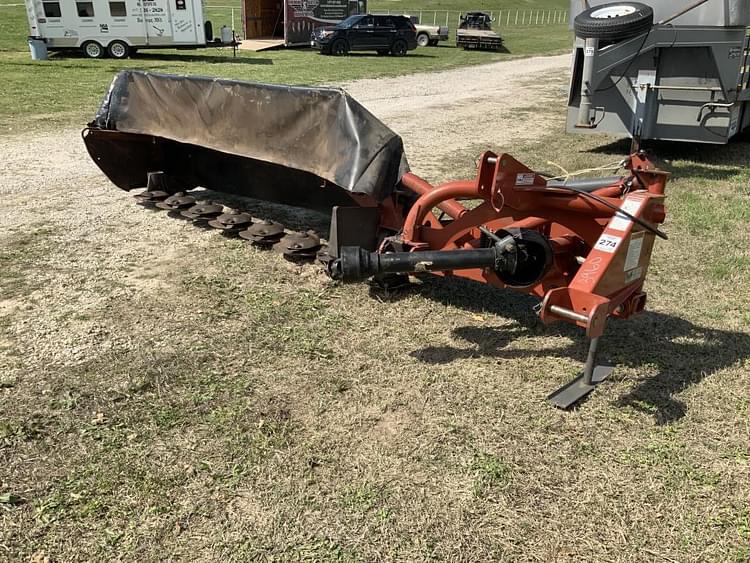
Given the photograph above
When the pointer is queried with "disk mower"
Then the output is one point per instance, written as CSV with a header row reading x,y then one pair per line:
x,y
582,247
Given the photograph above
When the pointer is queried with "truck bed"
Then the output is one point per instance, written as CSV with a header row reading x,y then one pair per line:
x,y
478,39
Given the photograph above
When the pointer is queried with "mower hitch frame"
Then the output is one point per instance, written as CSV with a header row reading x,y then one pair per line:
x,y
582,248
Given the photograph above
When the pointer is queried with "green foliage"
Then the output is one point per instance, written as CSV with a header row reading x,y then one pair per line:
x,y
490,472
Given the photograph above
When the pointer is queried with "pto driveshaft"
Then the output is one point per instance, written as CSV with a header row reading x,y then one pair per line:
x,y
355,263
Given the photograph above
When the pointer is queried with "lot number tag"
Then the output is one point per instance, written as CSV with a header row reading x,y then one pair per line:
x,y
608,243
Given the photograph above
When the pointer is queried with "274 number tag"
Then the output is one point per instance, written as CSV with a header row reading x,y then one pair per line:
x,y
608,243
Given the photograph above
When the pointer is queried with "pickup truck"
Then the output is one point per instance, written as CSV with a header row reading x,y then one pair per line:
x,y
429,34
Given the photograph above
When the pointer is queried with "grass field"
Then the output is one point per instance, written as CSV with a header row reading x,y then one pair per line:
x,y
169,394
195,399
67,89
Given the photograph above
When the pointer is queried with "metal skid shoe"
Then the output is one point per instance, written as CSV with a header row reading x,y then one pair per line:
x,y
231,222
570,394
298,247
202,212
157,189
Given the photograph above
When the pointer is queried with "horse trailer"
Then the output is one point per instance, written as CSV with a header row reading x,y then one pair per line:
x,y
117,28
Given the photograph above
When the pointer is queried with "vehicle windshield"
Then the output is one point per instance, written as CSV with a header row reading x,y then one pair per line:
x,y
348,22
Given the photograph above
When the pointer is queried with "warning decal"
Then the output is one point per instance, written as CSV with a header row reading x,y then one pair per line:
x,y
633,275
633,256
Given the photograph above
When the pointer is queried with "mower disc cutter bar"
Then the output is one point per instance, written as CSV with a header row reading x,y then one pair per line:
x,y
583,248
294,246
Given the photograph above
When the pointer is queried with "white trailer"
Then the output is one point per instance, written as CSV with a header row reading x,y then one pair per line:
x,y
117,28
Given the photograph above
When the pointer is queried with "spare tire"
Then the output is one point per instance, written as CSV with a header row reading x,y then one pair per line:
x,y
614,21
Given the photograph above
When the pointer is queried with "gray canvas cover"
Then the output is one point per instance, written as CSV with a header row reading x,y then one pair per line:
x,y
320,131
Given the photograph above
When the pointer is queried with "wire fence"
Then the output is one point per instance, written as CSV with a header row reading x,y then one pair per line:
x,y
501,18
506,18
221,15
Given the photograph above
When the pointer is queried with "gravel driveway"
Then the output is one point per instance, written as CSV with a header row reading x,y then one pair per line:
x,y
436,113
51,189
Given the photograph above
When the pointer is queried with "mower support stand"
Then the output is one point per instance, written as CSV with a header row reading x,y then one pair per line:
x,y
569,394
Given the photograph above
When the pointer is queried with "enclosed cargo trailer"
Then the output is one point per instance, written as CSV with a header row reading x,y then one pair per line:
x,y
118,28
292,22
667,69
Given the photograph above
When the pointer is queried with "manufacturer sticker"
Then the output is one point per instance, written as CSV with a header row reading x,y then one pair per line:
x,y
733,126
633,257
588,52
622,222
608,243
525,179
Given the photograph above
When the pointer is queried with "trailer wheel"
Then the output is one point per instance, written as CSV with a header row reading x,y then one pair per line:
x,y
118,50
92,50
615,21
423,40
339,48
399,48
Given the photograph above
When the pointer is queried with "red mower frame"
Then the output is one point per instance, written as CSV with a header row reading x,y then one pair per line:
x,y
596,243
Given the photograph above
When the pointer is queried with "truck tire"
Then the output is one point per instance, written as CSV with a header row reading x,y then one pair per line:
x,y
118,50
92,50
339,48
423,40
614,21
399,48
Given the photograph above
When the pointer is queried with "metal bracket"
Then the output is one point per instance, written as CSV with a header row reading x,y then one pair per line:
x,y
644,83
353,226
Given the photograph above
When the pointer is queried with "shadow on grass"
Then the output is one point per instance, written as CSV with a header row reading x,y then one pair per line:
x,y
223,59
166,57
684,353
374,55
691,160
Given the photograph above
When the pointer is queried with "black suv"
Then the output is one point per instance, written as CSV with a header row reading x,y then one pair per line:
x,y
385,34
